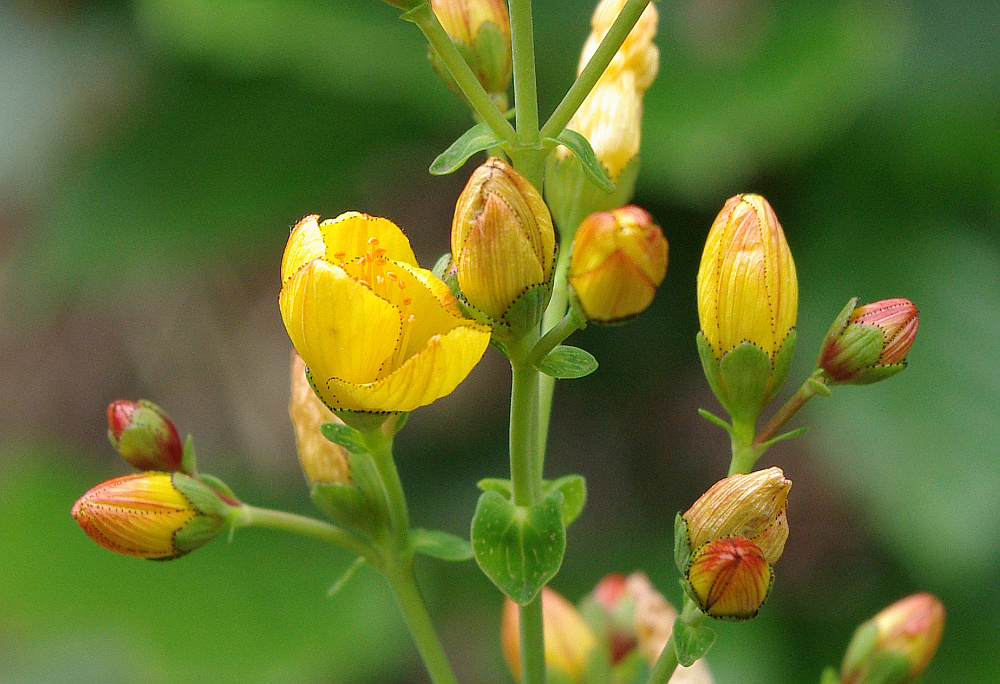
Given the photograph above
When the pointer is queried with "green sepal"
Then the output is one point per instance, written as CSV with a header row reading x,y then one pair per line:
x,y
364,421
520,548
746,374
861,646
345,577
691,643
214,513
829,676
345,436
876,373
839,323
189,460
198,531
358,505
478,138
567,363
201,495
442,266
580,147
218,485
525,312
782,362
441,545
573,488
682,544
887,667
710,366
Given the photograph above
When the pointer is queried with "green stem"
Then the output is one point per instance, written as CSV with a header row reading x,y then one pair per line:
x,y
418,621
744,452
559,332
591,73
380,447
252,516
814,384
554,314
423,16
532,642
664,668
528,157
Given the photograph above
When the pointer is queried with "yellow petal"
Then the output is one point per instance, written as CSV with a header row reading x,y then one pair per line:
x,y
429,375
617,289
348,237
338,326
304,244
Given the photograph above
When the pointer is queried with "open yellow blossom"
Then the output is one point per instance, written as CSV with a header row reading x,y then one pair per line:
x,y
377,332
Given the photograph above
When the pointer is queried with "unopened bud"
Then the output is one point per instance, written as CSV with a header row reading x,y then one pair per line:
x,y
618,260
568,639
144,435
152,515
750,505
897,645
480,29
869,343
747,305
729,578
503,246
321,460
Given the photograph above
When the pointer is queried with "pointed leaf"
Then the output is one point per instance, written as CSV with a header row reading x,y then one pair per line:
x,y
585,153
496,484
566,363
574,491
345,577
520,548
478,138
691,643
440,545
345,436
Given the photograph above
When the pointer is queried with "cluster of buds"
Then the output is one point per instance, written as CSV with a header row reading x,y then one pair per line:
x,y
503,249
747,305
480,29
869,343
610,119
624,624
729,539
164,512
618,260
897,645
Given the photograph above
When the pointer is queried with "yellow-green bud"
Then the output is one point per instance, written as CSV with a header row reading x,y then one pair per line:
x,y
503,247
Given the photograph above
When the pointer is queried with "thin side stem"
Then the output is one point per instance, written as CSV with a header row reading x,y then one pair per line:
x,y
559,332
667,663
425,19
591,73
813,385
252,516
418,621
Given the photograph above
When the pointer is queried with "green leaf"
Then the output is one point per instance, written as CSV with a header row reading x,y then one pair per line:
x,y
520,548
682,544
496,484
345,436
440,545
345,577
580,146
691,643
574,491
478,138
566,363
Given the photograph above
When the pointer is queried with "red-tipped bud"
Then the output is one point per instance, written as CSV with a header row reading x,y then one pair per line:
x,y
729,578
897,645
144,435
870,342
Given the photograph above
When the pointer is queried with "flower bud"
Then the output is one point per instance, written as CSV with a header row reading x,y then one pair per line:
x,y
480,29
869,343
144,435
729,578
321,460
610,609
752,505
747,304
152,515
618,260
568,639
503,246
897,645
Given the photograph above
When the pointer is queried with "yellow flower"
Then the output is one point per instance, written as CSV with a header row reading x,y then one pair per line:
x,y
503,243
321,460
147,515
619,258
747,289
568,638
377,332
753,505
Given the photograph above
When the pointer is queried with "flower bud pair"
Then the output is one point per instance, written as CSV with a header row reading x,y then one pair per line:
x,y
897,645
503,249
869,343
153,515
618,260
480,29
729,539
747,305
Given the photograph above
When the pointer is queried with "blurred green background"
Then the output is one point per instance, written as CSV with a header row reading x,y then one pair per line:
x,y
153,155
